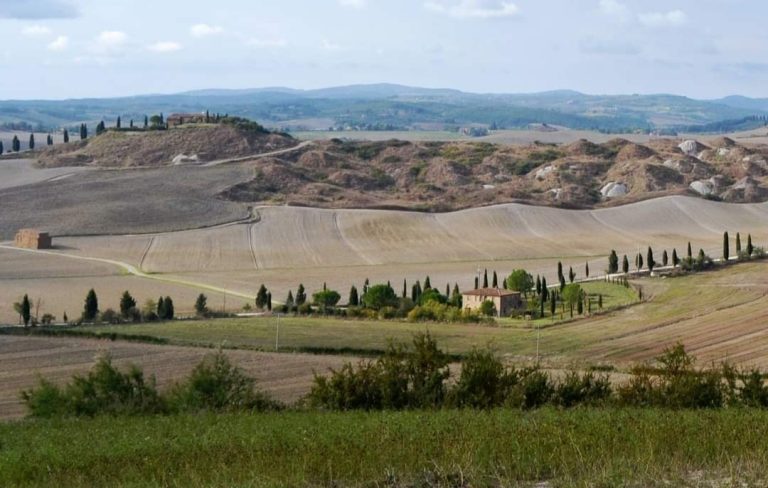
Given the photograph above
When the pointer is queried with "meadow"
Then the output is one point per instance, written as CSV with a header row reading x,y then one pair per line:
x,y
548,447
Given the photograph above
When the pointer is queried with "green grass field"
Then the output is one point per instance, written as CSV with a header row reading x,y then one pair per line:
x,y
589,447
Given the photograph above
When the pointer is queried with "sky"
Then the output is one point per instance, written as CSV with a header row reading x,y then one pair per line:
x,y
53,49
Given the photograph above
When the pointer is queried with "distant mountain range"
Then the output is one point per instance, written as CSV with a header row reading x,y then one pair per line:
x,y
389,106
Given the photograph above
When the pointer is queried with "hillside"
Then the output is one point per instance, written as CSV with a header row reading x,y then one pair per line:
x,y
185,144
382,106
442,176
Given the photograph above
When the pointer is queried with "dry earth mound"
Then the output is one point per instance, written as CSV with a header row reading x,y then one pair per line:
x,y
185,144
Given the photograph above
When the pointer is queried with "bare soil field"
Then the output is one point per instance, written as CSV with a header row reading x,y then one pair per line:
x,y
23,359
21,172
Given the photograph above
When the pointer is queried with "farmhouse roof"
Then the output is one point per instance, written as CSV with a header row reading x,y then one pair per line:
x,y
491,292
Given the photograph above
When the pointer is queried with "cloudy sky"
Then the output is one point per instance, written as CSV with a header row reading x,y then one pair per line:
x,y
82,48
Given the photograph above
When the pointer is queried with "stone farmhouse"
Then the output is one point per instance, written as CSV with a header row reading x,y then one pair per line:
x,y
175,120
33,239
505,301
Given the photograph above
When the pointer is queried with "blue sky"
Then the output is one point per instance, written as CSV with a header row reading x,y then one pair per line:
x,y
82,48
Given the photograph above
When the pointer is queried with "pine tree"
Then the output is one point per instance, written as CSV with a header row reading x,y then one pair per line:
x,y
625,265
664,258
495,280
127,304
726,247
261,298
31,141
91,308
26,310
651,261
738,244
750,247
301,296
66,136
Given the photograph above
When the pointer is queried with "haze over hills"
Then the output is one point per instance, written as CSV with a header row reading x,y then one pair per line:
x,y
390,106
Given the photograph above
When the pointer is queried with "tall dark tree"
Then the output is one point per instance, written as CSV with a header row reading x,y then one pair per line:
x,y
405,283
544,289
119,123
160,312
613,263
750,247
416,292
201,305
261,298
146,121
650,260
427,284
485,279
448,291
127,304
571,274
625,265
2,149
100,128
538,285
675,259
456,298
477,282
130,124
66,136
49,140
269,301
560,275
31,141
738,243
15,144
726,247
639,261
552,304
26,310
301,296
586,269
495,280
690,251
562,283
83,132
170,311
289,302
91,308
664,258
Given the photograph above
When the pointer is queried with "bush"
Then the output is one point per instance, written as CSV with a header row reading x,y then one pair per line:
x,y
576,389
484,382
437,312
104,390
109,316
216,385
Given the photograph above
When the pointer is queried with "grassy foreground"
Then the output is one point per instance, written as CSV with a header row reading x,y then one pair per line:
x,y
611,447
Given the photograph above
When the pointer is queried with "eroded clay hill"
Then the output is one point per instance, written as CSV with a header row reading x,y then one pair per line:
x,y
448,176
183,145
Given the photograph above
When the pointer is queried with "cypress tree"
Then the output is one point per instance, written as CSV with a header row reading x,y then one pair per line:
x,y
49,140
146,121
201,305
552,304
560,271
131,124
750,247
562,283
15,144
456,299
538,285
289,302
66,136
664,258
100,128
31,141
301,296
495,280
2,149
261,298
485,279
738,244
83,132
675,259
405,283
613,263
26,310
448,291
544,289
161,308
726,247
571,274
119,122
640,262
651,261
625,265
170,311
427,284
586,270
541,305
365,286
127,304
269,301
690,253
91,308
477,283
580,306
354,298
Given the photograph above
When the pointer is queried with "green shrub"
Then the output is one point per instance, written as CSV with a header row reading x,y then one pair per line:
x,y
484,381
216,385
577,389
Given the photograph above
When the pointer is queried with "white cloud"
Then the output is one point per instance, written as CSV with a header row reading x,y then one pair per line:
x,y
36,31
474,9
165,47
267,43
204,30
352,3
111,39
663,19
59,44
615,9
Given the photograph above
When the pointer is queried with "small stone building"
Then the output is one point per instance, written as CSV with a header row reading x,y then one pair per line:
x,y
175,120
33,239
505,301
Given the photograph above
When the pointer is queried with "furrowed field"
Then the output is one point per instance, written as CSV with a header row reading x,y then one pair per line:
x,y
590,447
